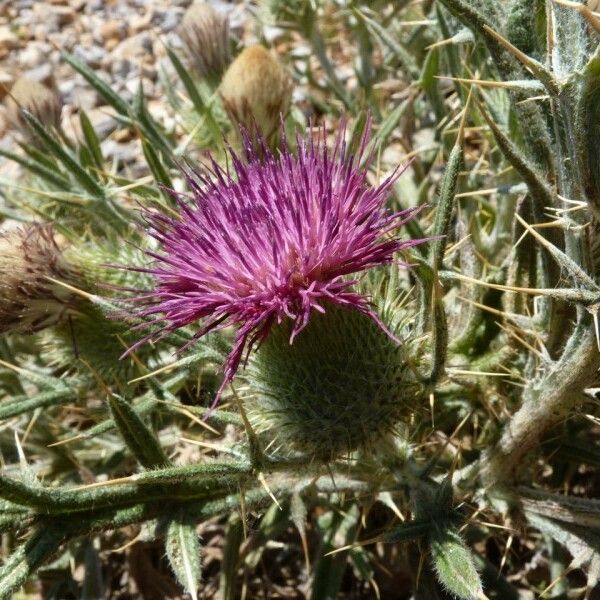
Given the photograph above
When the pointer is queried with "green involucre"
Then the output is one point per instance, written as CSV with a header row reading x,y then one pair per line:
x,y
341,385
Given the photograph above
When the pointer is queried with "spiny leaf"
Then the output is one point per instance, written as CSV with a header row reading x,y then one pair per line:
x,y
27,558
64,155
454,566
139,439
231,557
38,169
98,84
183,550
407,532
538,187
91,139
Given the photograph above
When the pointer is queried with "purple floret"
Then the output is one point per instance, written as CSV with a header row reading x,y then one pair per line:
x,y
274,240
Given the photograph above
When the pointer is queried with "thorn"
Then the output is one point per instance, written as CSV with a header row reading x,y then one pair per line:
x,y
66,441
593,310
516,84
193,417
86,295
536,68
461,130
263,482
432,406
243,512
210,446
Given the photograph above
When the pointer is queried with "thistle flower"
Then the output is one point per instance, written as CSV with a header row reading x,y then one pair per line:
x,y
273,251
205,34
42,102
256,91
29,301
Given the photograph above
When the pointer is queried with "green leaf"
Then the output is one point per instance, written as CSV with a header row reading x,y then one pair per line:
x,y
445,205
65,156
22,404
407,532
329,568
201,107
156,166
91,139
183,550
38,169
231,557
44,542
139,439
109,95
454,565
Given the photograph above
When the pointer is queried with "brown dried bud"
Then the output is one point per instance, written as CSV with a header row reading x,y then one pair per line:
x,y
42,102
256,91
205,34
29,301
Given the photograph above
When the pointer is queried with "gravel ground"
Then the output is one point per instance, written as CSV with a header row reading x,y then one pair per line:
x,y
122,40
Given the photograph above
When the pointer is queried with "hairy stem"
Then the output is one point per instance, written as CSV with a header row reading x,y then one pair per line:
x,y
545,404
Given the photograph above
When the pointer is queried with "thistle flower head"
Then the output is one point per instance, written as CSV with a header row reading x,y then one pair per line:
x,y
41,101
281,238
205,35
29,259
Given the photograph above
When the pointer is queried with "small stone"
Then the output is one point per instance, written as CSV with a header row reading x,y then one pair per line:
x,y
124,153
44,74
111,44
123,135
33,55
63,15
8,39
113,29
93,56
122,68
140,23
85,97
6,81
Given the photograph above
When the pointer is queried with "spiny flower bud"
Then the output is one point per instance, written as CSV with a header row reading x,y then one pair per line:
x,y
92,344
29,301
205,34
256,91
42,102
91,341
342,385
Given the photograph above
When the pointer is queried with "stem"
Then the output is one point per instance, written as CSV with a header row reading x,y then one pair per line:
x,y
545,404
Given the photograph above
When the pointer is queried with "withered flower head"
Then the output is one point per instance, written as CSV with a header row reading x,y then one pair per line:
x,y
42,102
205,34
29,258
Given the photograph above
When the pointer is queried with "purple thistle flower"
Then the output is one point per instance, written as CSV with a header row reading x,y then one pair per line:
x,y
274,241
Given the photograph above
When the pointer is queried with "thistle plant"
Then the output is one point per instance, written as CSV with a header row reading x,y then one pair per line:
x,y
362,360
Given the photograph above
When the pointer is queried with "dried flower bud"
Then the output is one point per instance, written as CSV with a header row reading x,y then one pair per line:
x,y
29,301
42,102
205,34
256,91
